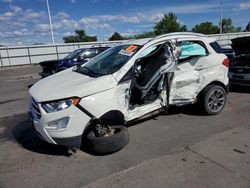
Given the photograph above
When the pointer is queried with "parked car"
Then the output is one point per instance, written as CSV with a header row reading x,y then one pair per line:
x,y
239,69
81,56
92,103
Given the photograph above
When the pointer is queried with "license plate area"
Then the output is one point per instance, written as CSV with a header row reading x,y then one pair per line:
x,y
238,77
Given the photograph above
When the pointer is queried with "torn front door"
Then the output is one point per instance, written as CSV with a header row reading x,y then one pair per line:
x,y
150,82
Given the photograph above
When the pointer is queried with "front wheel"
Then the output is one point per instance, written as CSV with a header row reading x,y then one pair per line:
x,y
108,143
213,99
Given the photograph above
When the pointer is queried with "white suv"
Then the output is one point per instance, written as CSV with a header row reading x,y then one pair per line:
x,y
90,104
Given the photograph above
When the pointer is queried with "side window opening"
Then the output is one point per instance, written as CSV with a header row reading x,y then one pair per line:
x,y
100,50
147,82
191,49
90,53
82,54
216,47
150,64
147,52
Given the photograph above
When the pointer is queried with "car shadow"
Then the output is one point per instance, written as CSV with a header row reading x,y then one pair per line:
x,y
28,139
190,109
239,89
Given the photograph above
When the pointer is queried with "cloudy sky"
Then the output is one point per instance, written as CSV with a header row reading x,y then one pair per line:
x,y
26,21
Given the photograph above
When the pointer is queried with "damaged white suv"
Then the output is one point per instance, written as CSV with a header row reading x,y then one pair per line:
x,y
91,104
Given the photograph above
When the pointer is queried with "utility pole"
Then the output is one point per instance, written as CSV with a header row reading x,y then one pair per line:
x,y
50,23
220,16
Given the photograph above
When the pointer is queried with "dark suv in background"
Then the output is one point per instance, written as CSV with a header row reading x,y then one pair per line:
x,y
239,68
81,56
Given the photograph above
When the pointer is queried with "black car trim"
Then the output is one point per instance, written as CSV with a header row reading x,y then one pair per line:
x,y
86,111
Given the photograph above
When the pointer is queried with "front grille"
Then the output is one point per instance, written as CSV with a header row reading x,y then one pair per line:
x,y
34,109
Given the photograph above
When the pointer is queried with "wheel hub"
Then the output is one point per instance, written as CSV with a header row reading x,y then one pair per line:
x,y
216,100
103,130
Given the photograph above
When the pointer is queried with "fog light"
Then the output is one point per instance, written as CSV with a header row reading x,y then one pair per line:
x,y
59,124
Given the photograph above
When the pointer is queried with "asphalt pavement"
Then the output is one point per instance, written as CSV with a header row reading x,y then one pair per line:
x,y
181,149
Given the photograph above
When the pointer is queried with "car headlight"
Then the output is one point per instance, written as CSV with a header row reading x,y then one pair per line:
x,y
59,105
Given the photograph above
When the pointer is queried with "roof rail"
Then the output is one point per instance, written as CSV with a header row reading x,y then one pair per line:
x,y
180,33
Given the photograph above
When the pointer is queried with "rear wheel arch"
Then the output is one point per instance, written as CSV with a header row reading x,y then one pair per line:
x,y
213,83
220,84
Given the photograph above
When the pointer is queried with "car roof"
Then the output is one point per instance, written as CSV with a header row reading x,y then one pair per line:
x,y
170,36
139,42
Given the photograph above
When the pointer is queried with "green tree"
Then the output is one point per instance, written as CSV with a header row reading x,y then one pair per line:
x,y
116,36
90,38
79,36
169,23
227,26
184,28
206,28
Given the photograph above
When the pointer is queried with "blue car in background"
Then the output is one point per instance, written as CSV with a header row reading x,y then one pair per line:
x,y
81,56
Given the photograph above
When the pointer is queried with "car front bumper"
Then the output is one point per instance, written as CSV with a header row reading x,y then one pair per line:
x,y
45,124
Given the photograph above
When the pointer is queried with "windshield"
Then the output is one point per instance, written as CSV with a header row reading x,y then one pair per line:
x,y
109,61
73,55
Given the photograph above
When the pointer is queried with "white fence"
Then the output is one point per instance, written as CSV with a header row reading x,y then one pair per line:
x,y
23,55
225,39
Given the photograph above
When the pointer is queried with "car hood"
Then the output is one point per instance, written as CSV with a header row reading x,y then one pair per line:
x,y
45,63
69,83
241,45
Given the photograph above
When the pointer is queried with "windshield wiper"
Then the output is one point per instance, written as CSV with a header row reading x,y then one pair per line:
x,y
90,72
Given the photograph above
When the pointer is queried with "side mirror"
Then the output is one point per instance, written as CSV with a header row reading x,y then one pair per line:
x,y
79,59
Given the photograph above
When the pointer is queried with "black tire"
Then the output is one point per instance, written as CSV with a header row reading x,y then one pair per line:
x,y
213,99
108,144
165,110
